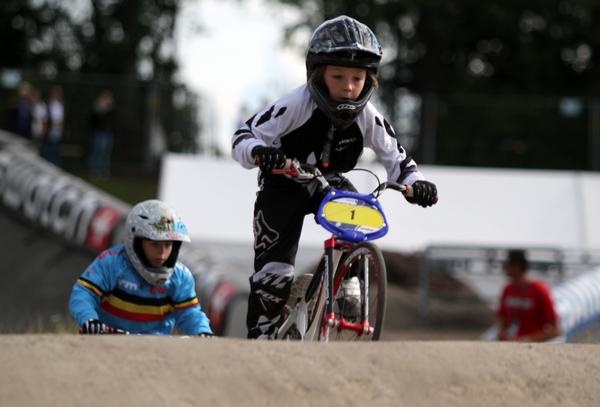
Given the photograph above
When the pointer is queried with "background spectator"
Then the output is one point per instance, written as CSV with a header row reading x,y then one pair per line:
x,y
102,130
39,119
21,114
56,116
527,312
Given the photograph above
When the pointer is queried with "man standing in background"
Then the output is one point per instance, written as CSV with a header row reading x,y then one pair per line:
x,y
39,119
102,128
56,116
527,312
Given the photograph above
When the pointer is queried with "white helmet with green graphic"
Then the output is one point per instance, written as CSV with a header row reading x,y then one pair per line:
x,y
154,220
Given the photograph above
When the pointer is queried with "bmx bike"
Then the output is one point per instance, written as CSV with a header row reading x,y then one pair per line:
x,y
344,300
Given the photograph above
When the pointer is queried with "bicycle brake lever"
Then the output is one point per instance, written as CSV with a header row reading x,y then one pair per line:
x,y
405,189
304,172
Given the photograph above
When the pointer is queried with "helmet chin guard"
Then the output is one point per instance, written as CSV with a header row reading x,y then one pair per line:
x,y
340,113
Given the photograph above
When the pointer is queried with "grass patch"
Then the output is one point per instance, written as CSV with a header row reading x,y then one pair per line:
x,y
53,324
129,189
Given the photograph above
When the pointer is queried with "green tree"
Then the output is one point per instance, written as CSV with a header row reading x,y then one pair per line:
x,y
132,38
125,46
533,46
456,51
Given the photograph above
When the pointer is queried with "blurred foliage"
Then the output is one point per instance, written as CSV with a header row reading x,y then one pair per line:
x,y
491,76
118,37
89,46
465,82
43,324
533,46
129,189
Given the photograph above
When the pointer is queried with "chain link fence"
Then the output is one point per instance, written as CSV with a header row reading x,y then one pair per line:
x,y
151,117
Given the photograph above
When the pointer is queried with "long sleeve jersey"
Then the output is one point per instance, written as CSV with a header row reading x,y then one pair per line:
x,y
112,291
299,128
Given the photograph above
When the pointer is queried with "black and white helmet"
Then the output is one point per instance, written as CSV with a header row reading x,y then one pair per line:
x,y
342,41
154,220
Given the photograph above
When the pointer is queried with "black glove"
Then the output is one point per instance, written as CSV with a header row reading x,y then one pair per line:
x,y
94,326
268,158
424,193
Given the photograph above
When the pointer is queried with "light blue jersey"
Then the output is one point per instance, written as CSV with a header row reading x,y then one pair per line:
x,y
111,291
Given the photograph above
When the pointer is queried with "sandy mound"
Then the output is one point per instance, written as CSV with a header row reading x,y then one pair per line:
x,y
70,370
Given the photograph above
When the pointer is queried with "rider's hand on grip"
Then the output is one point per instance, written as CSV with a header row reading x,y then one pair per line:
x,y
94,326
424,193
268,158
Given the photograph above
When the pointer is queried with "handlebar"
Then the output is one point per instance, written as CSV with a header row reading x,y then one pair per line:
x,y
110,331
306,172
405,189
96,327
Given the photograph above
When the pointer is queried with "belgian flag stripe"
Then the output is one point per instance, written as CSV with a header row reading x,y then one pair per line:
x,y
90,286
131,316
186,304
137,308
135,299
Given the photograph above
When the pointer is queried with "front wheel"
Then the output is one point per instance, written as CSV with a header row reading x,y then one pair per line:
x,y
349,293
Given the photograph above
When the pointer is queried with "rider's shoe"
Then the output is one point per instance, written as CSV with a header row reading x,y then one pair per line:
x,y
349,301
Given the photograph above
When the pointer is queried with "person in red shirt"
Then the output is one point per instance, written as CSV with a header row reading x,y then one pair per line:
x,y
527,312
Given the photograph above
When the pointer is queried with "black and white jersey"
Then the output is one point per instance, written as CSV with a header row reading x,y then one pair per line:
x,y
296,125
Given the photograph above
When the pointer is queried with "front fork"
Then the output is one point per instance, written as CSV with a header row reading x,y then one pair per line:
x,y
330,320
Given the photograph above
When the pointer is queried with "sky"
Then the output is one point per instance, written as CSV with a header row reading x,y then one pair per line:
x,y
231,54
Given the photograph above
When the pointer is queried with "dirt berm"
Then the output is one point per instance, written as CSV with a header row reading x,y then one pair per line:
x,y
71,370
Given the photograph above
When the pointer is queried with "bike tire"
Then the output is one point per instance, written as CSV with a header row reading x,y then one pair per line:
x,y
315,298
351,265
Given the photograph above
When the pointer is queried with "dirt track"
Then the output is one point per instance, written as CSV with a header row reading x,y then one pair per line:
x,y
70,370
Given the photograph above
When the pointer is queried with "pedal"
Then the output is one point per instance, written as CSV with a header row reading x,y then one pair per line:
x,y
299,287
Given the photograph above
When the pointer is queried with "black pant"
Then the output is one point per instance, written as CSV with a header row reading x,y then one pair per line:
x,y
279,212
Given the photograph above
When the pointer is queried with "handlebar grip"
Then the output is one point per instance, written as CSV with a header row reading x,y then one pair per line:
x,y
406,189
409,193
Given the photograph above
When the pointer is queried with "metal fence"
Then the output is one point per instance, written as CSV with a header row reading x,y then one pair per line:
x,y
574,276
151,117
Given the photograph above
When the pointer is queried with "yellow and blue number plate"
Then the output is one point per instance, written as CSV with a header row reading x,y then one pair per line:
x,y
348,213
